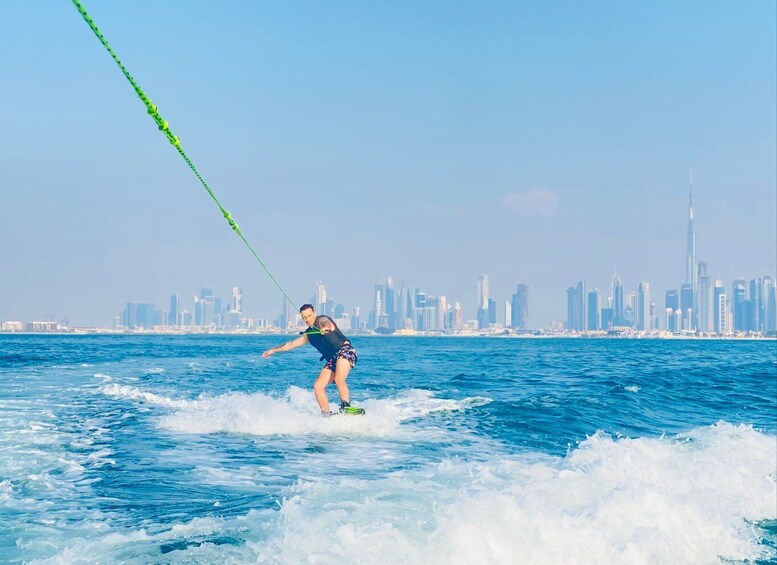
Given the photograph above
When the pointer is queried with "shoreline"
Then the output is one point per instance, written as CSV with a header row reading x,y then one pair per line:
x,y
501,335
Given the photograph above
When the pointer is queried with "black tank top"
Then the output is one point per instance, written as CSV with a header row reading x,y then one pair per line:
x,y
327,344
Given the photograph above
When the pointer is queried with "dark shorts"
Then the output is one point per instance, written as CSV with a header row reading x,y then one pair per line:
x,y
345,352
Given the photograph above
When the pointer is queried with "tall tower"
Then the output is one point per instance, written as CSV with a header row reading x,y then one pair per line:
x,y
594,310
237,299
691,275
320,297
703,299
617,300
483,301
174,316
483,291
643,307
520,307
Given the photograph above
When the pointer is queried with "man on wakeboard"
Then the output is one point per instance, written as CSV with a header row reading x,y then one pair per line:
x,y
335,349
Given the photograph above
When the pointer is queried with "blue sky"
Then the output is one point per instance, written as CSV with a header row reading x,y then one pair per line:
x,y
433,141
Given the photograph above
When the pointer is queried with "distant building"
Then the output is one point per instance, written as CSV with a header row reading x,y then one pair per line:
x,y
420,304
739,305
672,305
607,316
642,317
284,318
458,317
576,319
617,301
687,306
440,313
719,308
690,269
390,303
483,314
140,315
594,310
320,298
520,307
770,303
482,291
755,306
174,315
237,300
703,299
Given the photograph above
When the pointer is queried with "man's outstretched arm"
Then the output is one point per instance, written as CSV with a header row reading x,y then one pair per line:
x,y
288,346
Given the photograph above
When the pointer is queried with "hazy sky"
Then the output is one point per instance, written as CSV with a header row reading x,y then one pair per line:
x,y
432,141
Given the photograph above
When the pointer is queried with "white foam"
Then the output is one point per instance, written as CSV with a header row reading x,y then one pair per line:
x,y
686,499
632,388
142,545
296,413
134,393
681,500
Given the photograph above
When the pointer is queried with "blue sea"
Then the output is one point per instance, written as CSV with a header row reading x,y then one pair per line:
x,y
194,449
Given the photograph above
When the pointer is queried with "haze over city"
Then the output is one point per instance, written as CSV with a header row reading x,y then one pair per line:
x,y
429,142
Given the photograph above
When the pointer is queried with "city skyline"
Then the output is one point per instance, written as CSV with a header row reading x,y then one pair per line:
x,y
435,142
391,309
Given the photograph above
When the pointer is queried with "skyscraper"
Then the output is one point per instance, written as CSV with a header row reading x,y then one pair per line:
x,y
284,319
208,310
404,309
320,296
482,291
483,315
739,305
581,304
672,304
719,308
237,300
420,304
703,298
690,262
594,308
378,305
520,307
770,303
576,319
617,301
686,307
722,309
440,313
197,311
571,308
174,315
755,314
389,303
140,315
642,317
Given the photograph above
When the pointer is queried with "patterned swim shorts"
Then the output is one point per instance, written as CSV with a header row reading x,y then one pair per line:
x,y
345,352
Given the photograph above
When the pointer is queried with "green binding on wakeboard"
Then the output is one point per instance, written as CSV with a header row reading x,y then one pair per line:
x,y
352,411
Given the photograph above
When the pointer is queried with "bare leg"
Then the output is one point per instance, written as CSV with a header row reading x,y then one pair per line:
x,y
342,368
325,377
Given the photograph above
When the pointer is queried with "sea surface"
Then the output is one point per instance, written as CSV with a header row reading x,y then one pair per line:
x,y
194,449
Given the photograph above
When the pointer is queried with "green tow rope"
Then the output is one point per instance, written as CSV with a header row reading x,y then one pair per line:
x,y
173,139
